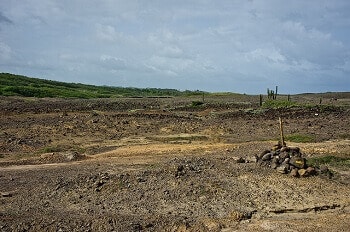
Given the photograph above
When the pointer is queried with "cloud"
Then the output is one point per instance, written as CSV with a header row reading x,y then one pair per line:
x,y
4,19
107,33
5,52
112,63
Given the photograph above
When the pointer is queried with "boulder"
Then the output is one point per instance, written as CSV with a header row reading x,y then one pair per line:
x,y
294,172
263,153
284,155
311,171
303,173
298,162
266,157
282,169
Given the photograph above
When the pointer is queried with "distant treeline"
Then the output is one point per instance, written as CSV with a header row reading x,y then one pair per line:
x,y
17,85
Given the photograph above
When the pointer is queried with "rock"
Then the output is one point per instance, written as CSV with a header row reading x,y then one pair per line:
x,y
294,172
298,162
267,157
303,173
263,153
252,159
286,161
240,160
311,171
180,171
274,165
6,194
294,150
324,169
275,159
282,169
284,149
71,155
276,147
284,155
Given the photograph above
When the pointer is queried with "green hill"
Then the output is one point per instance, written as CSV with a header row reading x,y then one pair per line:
x,y
17,85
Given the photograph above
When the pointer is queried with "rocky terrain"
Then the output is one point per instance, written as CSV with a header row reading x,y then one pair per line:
x,y
165,164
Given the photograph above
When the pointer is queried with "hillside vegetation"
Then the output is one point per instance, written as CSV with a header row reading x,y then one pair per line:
x,y
17,85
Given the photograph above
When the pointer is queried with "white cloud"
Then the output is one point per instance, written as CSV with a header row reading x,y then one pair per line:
x,y
5,52
113,63
107,33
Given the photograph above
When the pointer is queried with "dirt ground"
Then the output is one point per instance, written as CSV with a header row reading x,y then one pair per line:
x,y
162,164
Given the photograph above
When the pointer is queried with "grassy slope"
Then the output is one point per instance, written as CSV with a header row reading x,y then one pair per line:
x,y
16,85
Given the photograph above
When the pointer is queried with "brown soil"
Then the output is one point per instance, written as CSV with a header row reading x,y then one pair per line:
x,y
162,165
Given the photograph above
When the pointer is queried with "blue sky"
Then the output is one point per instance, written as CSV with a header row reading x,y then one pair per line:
x,y
214,45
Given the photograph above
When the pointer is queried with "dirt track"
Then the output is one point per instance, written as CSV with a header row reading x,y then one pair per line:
x,y
159,165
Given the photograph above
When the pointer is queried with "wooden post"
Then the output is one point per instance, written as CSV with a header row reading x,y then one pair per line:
x,y
261,100
283,143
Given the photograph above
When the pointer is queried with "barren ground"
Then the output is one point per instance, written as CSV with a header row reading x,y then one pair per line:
x,y
162,165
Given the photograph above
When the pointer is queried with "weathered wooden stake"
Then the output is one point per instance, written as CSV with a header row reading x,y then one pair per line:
x,y
283,143
261,100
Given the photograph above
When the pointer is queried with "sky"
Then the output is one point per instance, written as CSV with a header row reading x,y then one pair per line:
x,y
242,46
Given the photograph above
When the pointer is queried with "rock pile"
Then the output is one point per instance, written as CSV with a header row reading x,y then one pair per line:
x,y
286,160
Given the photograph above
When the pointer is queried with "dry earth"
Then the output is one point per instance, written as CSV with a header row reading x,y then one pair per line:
x,y
162,165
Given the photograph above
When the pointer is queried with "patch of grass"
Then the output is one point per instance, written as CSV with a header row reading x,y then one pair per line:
x,y
276,104
299,138
329,160
196,103
51,149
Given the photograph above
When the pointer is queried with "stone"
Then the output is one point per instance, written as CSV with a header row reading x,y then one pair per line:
x,y
274,165
294,172
286,161
324,169
295,150
267,157
283,149
303,173
282,169
252,159
6,194
263,153
311,171
298,162
71,155
284,155
240,160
